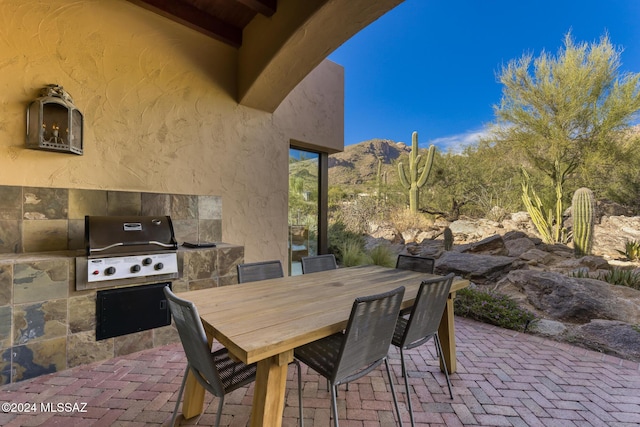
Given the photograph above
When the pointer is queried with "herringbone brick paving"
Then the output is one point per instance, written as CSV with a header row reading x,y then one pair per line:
x,y
504,378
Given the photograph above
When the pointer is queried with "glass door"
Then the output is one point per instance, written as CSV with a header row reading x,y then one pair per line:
x,y
303,206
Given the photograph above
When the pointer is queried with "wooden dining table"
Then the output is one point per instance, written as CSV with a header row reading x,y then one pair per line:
x,y
263,322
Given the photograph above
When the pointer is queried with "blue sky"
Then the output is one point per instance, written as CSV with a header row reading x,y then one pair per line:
x,y
430,65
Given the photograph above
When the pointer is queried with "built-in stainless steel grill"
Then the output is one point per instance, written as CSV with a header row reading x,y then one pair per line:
x,y
129,248
122,251
128,234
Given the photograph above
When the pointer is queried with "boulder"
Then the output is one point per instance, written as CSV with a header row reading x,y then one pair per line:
x,y
492,245
411,235
549,328
536,257
431,248
592,263
518,246
520,217
514,234
611,235
372,242
613,337
384,231
464,228
481,269
571,299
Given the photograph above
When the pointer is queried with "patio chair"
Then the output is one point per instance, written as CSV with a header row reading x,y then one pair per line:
x,y
360,348
217,372
415,263
254,271
313,264
422,325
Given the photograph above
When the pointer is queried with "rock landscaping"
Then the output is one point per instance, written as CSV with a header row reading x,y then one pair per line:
x,y
563,291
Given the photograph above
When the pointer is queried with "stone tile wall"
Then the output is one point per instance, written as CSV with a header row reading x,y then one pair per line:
x,y
46,325
37,219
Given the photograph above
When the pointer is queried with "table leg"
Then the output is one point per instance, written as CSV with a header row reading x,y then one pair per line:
x,y
269,391
446,332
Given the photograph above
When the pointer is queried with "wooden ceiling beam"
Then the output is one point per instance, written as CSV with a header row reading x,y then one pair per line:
x,y
263,7
195,19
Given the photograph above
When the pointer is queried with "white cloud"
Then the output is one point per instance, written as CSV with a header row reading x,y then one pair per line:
x,y
456,143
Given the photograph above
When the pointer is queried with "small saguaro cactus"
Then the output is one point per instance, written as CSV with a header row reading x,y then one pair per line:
x,y
448,239
583,214
417,176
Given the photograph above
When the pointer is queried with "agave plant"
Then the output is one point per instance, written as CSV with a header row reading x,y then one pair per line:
x,y
631,250
622,277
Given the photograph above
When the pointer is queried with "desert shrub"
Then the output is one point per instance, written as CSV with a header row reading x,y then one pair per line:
x,y
382,255
356,213
404,219
338,235
353,253
493,308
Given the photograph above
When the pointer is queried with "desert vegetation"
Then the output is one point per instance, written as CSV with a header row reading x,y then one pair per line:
x,y
564,122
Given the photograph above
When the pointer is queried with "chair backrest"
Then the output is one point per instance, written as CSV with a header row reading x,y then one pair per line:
x,y
254,271
313,264
427,309
194,342
416,263
368,334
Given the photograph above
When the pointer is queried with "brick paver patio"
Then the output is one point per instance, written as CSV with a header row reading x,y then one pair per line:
x,y
504,378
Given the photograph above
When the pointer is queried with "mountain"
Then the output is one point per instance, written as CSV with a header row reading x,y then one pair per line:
x,y
358,163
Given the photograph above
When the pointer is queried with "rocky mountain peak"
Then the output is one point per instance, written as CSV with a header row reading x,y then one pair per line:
x,y
358,163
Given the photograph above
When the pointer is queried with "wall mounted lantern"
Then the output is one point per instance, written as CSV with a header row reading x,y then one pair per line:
x,y
54,123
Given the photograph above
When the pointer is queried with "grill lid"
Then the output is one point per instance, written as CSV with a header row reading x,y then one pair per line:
x,y
107,235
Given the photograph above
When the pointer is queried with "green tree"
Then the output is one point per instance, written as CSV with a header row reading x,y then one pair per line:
x,y
617,178
472,183
560,112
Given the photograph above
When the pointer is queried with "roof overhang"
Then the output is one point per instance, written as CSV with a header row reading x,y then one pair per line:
x,y
279,41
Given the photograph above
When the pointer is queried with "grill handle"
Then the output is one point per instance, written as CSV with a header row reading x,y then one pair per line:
x,y
153,242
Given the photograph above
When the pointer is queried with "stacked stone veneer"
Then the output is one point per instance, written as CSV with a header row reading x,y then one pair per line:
x,y
48,326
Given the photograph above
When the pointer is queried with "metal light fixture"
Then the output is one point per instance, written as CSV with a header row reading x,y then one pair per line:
x,y
54,123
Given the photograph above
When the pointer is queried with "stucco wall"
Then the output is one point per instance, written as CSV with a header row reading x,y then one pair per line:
x,y
160,113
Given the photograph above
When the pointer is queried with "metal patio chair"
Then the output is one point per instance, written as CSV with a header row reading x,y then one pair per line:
x,y
422,325
415,263
313,264
254,271
216,372
360,348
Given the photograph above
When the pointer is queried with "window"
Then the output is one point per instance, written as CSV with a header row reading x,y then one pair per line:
x,y
307,206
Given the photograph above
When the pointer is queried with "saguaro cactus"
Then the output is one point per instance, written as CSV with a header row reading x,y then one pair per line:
x,y
417,176
583,213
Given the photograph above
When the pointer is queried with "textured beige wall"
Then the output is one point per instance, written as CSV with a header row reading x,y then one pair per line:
x,y
312,115
160,115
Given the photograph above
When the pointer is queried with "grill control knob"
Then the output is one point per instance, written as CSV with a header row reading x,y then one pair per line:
x,y
147,261
159,266
135,268
110,271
